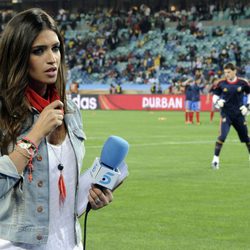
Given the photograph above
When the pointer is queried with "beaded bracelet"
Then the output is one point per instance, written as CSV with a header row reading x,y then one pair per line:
x,y
32,150
34,146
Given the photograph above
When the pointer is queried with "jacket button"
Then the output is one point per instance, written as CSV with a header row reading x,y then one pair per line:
x,y
39,209
39,237
40,184
39,157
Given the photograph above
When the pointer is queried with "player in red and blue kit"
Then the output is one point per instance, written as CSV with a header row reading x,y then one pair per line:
x,y
228,95
188,99
197,87
193,89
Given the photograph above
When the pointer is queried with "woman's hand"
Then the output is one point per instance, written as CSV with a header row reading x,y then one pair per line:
x,y
50,118
99,198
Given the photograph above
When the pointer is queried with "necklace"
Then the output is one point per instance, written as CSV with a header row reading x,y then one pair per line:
x,y
60,167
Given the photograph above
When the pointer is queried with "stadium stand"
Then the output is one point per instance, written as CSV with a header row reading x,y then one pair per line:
x,y
128,48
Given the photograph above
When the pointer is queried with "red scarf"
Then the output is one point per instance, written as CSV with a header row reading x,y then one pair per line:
x,y
39,103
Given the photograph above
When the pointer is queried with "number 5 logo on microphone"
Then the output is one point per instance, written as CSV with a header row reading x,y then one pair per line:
x,y
106,179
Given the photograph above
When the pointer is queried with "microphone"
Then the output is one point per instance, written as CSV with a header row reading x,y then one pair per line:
x,y
106,170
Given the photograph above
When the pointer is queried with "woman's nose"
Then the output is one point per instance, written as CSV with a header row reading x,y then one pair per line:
x,y
51,58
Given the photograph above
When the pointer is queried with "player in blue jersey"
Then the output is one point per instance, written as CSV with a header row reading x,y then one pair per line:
x,y
228,96
193,89
196,89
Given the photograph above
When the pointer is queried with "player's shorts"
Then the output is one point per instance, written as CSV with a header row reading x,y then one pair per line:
x,y
187,104
193,106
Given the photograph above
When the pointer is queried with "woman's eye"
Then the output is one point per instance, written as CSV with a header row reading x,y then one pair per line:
x,y
37,51
56,48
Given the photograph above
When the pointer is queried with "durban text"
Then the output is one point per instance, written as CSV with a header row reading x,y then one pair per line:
x,y
162,102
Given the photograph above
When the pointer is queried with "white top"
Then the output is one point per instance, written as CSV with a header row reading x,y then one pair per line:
x,y
61,217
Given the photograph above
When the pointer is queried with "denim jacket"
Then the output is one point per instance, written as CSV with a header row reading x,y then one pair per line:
x,y
24,205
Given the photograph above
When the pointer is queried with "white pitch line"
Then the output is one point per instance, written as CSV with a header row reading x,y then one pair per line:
x,y
171,143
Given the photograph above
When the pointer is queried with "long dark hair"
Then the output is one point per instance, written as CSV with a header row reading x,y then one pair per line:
x,y
15,48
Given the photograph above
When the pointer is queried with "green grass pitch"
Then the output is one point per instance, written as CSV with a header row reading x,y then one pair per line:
x,y
172,198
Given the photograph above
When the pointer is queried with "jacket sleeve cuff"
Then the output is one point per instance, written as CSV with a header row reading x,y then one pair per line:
x,y
8,168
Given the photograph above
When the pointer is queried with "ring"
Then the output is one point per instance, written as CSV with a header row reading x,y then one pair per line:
x,y
97,201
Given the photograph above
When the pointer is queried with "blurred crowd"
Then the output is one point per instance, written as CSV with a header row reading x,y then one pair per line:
x,y
162,48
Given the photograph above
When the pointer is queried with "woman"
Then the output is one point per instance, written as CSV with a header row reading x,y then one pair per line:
x,y
41,138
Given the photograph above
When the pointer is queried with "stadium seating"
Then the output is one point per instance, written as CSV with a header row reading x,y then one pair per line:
x,y
173,45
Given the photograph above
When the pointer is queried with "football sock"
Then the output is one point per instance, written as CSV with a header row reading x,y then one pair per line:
x,y
191,116
186,116
211,116
198,117
218,146
248,146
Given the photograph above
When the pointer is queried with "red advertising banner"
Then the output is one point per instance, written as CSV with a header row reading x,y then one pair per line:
x,y
148,102
136,102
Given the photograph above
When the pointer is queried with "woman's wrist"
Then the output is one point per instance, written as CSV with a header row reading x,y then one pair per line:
x,y
34,137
